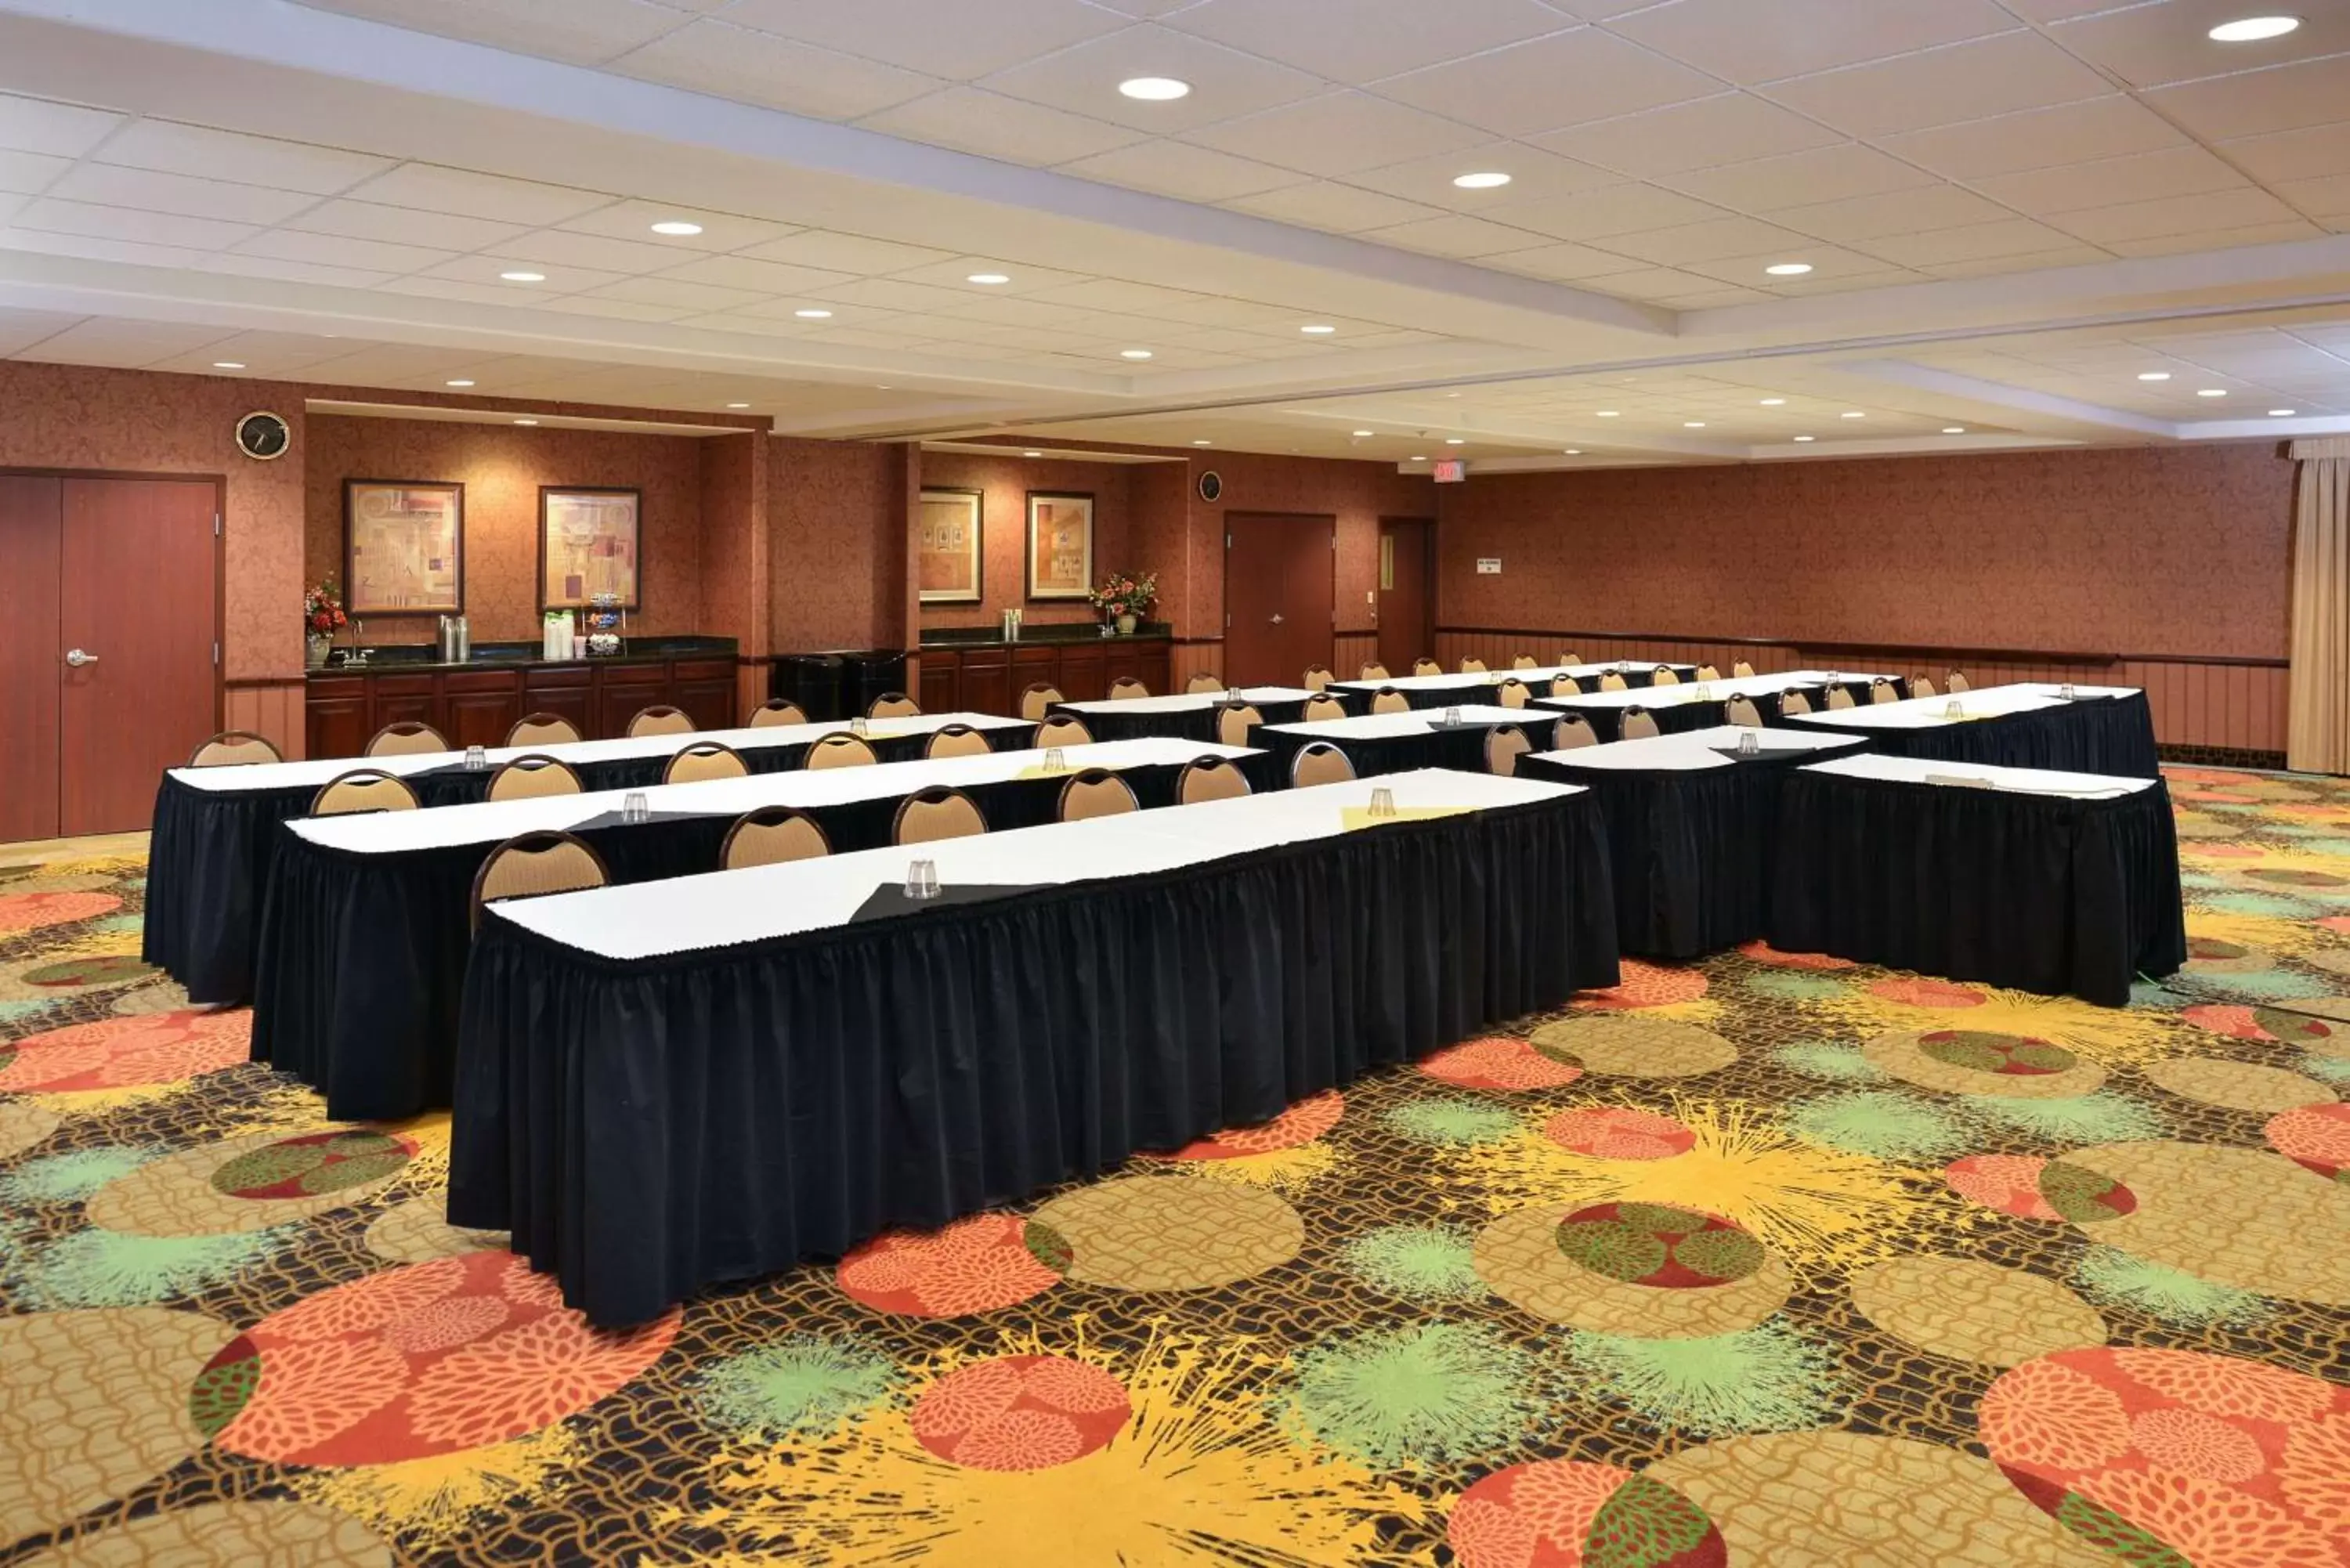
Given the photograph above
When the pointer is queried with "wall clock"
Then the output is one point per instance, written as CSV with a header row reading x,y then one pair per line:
x,y
1211,486
263,436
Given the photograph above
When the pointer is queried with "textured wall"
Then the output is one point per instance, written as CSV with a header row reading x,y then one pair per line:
x,y
835,527
1357,493
1005,483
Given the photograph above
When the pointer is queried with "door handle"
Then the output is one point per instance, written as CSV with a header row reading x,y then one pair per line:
x,y
1276,619
77,658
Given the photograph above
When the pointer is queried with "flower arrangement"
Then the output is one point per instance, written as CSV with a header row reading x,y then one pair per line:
x,y
1123,594
322,610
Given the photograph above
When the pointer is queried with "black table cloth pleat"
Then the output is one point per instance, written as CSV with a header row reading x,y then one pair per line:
x,y
1187,724
2040,893
1457,746
209,858
2109,735
647,1129
361,958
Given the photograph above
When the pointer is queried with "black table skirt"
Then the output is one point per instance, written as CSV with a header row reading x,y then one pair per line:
x,y
2112,735
1691,851
208,862
1461,747
2036,892
1196,724
362,958
648,1128
1606,719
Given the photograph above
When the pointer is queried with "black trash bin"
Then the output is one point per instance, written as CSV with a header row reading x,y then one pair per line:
x,y
868,673
814,681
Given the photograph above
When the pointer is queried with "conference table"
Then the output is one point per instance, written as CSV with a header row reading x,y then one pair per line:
x,y
1378,744
214,828
2043,880
2032,724
1453,689
671,1084
1187,716
1692,827
1701,705
366,926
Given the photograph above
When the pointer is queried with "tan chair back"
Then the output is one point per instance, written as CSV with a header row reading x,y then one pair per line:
x,y
1793,703
1373,670
1614,681
772,836
235,748
544,730
1923,686
1524,661
894,706
1512,693
1664,675
1742,710
534,777
363,789
1639,724
406,739
776,711
1567,656
928,816
1126,688
1565,686
1210,778
1063,729
705,761
1387,700
1742,669
1097,792
957,741
1883,691
1324,706
1504,744
660,719
1317,678
1707,672
1472,665
1038,699
533,865
1424,665
1840,697
1233,723
839,751
1574,731
1202,680
1959,682
1319,763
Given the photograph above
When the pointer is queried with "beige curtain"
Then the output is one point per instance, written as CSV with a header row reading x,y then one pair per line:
x,y
2319,737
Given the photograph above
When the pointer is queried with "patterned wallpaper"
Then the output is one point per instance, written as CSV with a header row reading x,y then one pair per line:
x,y
2180,550
1006,482
836,545
734,562
1357,493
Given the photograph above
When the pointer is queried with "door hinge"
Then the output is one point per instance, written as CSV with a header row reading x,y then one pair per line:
x,y
1228,541
216,656
216,525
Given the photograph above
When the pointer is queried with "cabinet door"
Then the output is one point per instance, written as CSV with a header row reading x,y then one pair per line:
x,y
1121,661
941,690
562,693
623,692
405,699
1085,675
1155,667
987,681
708,703
336,717
481,706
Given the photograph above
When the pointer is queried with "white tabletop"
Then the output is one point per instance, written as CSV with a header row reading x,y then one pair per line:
x,y
718,909
1933,712
1931,771
1693,750
1419,722
1540,677
1188,702
326,770
495,822
1713,691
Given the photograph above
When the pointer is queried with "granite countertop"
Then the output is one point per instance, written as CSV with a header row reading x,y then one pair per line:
x,y
420,658
1079,631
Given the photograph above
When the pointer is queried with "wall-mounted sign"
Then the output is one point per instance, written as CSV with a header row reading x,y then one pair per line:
x,y
1451,470
1489,566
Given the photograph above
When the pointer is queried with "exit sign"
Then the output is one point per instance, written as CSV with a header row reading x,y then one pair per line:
x,y
1451,471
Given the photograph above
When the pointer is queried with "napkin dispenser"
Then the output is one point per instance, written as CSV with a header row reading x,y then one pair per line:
x,y
1011,629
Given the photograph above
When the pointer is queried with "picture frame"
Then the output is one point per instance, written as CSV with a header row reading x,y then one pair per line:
x,y
950,549
590,541
403,546
1059,557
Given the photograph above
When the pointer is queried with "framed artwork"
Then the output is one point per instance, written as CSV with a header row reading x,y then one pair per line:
x,y
589,543
947,550
1060,545
403,546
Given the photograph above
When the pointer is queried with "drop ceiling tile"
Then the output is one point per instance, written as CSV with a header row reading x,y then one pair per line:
x,y
582,32
96,247
1560,264
1536,179
2260,102
505,296
958,43
21,330
340,251
59,129
1830,265
1649,284
1799,179
176,193
30,173
1456,235
432,189
1681,137
1918,210
1224,84
126,223
2199,239
1567,79
711,57
1998,74
1375,38
1114,293
676,295
2109,181
1765,40
10,205
970,119
484,270
1180,170
1339,133
172,149
1620,210
1025,277
890,294
2174,215
245,265
1709,240
854,254
565,248
101,340
1973,242
2147,46
2037,139
1325,205
2326,198
635,221
764,277
403,226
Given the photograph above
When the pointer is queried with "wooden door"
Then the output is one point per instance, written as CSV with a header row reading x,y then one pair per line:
x,y
139,597
31,536
1407,608
1280,594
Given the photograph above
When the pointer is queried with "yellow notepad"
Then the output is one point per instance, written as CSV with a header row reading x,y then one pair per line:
x,y
1357,817
1039,771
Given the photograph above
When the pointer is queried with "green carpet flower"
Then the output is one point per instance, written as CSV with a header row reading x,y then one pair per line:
x,y
99,1268
1418,1263
1401,1396
1450,1119
803,1386
1763,1379
70,1177
1884,1123
2159,1291
2100,1117
1837,1061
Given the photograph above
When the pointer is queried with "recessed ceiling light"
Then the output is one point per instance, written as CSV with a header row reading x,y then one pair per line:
x,y
1788,269
2282,413
1692,424
523,276
1420,460
1318,329
2211,392
461,383
1954,430
1203,443
1454,440
1772,402
813,315
1484,179
228,364
2154,375
677,227
989,277
525,422
2252,30
1574,451
1452,394
1155,90
1611,414
1807,438
1855,414
1360,434
1134,353
738,405
1031,454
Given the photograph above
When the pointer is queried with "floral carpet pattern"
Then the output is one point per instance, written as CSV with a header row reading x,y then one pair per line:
x,y
1773,1259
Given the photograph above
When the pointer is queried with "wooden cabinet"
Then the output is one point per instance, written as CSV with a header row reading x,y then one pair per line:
x,y
405,700
704,688
626,691
481,706
941,683
477,706
563,691
990,678
338,717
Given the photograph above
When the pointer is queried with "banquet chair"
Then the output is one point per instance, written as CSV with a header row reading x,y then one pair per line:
x,y
928,816
1233,723
1424,665
660,719
1202,680
1742,710
1061,730
957,741
534,777
776,710
1210,778
1707,672
1512,693
839,751
1373,670
1097,792
1922,687
1318,709
1319,763
1565,686
1126,688
1504,744
1038,699
703,760
1840,697
1614,681
363,789
533,865
1472,665
408,738
544,730
1882,690
1317,678
770,836
1665,675
1575,731
1959,682
1742,669
1793,703
1387,700
235,748
1524,661
1639,724
1569,658
894,706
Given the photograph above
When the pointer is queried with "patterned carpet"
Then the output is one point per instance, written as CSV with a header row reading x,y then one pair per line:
x,y
1771,1260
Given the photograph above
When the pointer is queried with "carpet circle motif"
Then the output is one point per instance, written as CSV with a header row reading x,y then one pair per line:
x,y
1539,1259
976,1265
1619,1132
21,912
1020,1413
1498,1062
180,1195
55,979
417,1232
2235,1085
1645,985
1659,1245
2224,1463
313,1164
1970,1310
2239,1217
1301,1124
270,1534
425,1359
1982,1061
1920,990
1636,1047
1562,1513
128,1052
23,1123
2296,876
2032,1188
2210,955
2297,1027
1763,952
2317,1137
1165,1233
